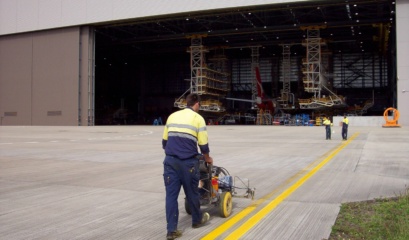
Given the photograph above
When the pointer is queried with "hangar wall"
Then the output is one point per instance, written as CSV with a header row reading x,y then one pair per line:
x,y
40,77
18,16
402,46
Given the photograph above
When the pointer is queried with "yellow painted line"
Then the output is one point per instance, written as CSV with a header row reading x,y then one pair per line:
x,y
251,222
242,214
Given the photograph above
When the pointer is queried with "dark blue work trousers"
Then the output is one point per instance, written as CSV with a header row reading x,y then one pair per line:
x,y
344,131
328,131
179,173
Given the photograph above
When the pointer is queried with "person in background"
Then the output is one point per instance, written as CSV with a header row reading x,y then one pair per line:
x,y
327,123
185,130
345,123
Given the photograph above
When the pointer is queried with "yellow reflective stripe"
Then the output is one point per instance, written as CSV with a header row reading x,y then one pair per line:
x,y
182,130
182,135
202,129
175,125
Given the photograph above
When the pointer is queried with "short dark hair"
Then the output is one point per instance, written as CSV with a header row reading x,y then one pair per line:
x,y
192,99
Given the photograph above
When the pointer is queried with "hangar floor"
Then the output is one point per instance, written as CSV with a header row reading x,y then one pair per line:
x,y
106,182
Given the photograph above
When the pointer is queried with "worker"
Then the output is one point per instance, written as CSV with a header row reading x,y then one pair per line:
x,y
345,123
185,130
327,123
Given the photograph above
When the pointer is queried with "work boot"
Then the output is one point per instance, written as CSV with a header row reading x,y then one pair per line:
x,y
173,235
205,218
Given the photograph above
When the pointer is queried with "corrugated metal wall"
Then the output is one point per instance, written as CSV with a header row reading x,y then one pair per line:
x,y
364,70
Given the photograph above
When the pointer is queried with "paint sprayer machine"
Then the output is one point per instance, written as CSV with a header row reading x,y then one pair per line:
x,y
217,187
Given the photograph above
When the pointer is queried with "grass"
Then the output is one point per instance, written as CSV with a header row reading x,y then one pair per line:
x,y
378,219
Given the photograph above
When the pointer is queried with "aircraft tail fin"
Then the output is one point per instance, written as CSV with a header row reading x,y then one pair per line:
x,y
260,90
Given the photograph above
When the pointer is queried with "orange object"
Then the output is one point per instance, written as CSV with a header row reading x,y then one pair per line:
x,y
394,121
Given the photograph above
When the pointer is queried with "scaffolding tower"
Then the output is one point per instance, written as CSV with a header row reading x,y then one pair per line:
x,y
264,117
313,80
210,83
287,98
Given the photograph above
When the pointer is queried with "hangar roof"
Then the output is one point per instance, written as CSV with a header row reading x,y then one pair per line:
x,y
347,25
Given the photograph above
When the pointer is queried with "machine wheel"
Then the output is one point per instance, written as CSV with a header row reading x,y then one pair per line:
x,y
187,207
226,204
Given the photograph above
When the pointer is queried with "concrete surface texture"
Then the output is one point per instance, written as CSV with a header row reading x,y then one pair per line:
x,y
362,121
106,182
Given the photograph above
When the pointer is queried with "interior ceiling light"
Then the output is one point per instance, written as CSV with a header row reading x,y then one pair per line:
x,y
348,11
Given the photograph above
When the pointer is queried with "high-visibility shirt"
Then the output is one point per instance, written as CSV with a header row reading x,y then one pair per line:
x,y
184,131
345,121
327,122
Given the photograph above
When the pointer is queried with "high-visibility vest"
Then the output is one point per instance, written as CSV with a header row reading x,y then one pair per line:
x,y
184,131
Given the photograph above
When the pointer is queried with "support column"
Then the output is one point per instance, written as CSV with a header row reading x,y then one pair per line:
x,y
286,73
86,91
402,55
255,55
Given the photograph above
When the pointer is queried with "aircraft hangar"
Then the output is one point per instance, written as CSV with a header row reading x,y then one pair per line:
x,y
313,57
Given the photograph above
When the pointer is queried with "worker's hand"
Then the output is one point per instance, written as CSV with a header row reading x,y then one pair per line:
x,y
209,159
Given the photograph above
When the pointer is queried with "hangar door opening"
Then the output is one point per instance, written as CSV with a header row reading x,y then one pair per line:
x,y
144,65
135,85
